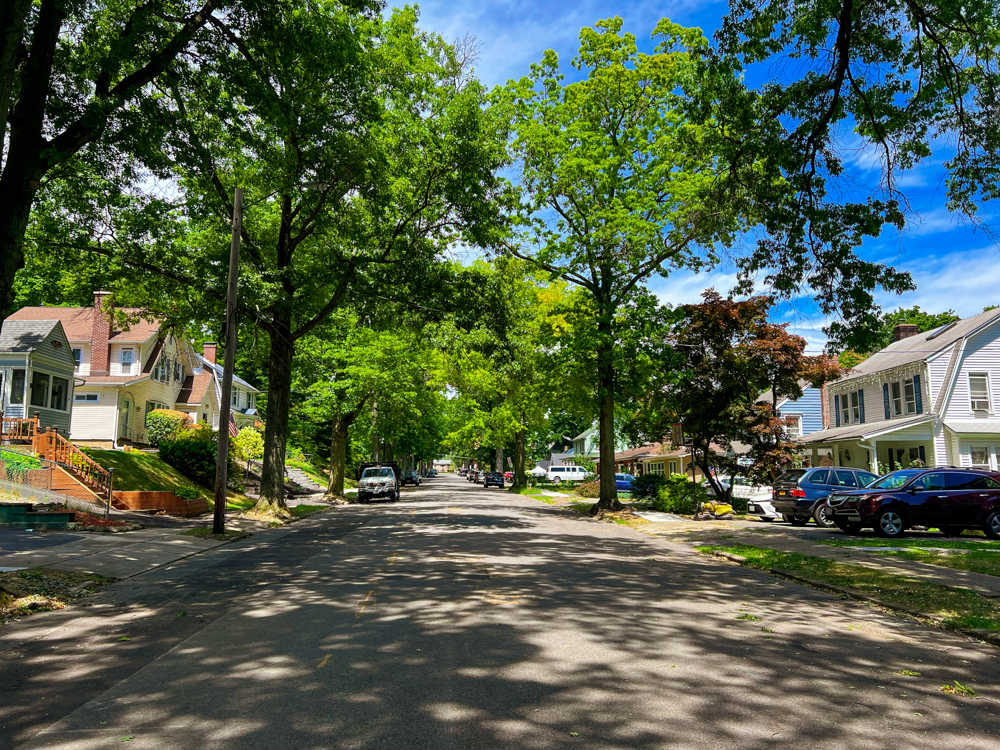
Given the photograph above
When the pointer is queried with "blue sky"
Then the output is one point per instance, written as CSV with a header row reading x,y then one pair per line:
x,y
954,267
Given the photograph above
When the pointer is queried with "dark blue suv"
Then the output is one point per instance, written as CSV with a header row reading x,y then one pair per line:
x,y
800,494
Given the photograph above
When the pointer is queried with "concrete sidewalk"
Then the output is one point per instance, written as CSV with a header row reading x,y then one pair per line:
x,y
112,555
981,583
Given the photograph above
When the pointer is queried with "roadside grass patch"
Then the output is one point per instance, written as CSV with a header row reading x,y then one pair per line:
x,y
205,532
945,542
139,470
974,561
24,592
304,510
958,608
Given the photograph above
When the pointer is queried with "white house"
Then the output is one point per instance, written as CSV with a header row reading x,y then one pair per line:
x,y
930,397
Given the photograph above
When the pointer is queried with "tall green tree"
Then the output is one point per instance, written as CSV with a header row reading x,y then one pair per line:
x,y
875,334
617,181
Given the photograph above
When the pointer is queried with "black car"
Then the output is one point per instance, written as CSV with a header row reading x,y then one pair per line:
x,y
494,478
800,494
410,477
951,500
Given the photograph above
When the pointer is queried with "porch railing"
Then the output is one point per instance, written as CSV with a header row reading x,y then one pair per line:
x,y
14,428
52,446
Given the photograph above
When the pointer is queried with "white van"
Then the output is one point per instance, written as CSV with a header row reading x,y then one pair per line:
x,y
565,474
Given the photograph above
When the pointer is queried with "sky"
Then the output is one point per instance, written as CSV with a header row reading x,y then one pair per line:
x,y
954,266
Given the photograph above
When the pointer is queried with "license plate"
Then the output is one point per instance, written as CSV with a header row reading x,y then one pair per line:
x,y
782,492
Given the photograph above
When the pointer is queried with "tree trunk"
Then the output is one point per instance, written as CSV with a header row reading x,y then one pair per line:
x,y
606,419
499,460
338,456
272,481
520,480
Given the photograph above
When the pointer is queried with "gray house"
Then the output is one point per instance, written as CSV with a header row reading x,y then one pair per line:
x,y
36,373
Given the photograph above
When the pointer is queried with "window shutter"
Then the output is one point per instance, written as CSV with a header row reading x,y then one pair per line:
x,y
917,394
923,457
861,404
836,408
885,398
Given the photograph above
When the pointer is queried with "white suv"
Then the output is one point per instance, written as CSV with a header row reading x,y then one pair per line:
x,y
565,474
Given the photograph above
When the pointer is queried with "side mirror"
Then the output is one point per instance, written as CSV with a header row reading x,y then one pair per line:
x,y
912,490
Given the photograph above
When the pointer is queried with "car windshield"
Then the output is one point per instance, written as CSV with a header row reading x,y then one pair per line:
x,y
381,472
894,480
792,476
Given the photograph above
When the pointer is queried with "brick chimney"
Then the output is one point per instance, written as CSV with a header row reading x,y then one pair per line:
x,y
208,351
904,331
824,406
99,349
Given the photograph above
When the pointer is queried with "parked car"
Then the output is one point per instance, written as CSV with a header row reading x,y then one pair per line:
x,y
478,479
472,475
410,477
378,481
565,474
800,494
493,478
624,482
508,475
758,496
951,500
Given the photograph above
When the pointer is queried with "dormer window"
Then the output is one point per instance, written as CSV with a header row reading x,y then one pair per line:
x,y
77,358
125,358
979,391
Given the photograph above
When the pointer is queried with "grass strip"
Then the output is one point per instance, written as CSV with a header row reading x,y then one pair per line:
x,y
955,608
974,561
205,532
945,542
304,510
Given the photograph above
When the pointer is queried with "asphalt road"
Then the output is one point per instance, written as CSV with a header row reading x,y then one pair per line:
x,y
467,618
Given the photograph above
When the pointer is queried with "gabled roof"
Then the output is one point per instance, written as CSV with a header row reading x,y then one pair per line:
x,y
24,336
649,449
78,322
216,369
920,347
194,389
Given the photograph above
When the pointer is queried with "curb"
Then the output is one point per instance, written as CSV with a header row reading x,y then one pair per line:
x,y
982,634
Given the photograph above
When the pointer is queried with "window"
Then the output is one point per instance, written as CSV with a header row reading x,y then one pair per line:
x,y
897,399
980,456
77,358
60,392
979,391
236,397
178,375
672,467
794,427
17,387
929,483
656,468
126,358
855,407
152,406
819,477
39,389
251,399
911,396
558,470
845,410
204,417
846,479
86,398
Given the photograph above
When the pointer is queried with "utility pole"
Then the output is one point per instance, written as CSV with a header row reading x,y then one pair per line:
x,y
229,364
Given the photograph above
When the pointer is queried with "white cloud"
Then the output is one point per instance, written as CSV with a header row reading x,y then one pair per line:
x,y
965,281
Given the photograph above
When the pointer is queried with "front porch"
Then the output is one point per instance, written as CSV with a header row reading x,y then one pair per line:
x,y
880,447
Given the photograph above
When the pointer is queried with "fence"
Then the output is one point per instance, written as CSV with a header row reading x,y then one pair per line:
x,y
18,470
14,429
52,446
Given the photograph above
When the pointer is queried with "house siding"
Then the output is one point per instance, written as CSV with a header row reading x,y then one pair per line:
x,y
937,371
981,354
95,421
875,400
810,408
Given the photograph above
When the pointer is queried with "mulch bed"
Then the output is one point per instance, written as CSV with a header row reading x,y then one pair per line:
x,y
89,520
25,592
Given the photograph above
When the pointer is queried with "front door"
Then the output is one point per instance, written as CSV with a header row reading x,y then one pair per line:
x,y
123,417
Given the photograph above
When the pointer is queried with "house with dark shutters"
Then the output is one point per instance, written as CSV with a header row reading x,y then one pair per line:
x,y
926,399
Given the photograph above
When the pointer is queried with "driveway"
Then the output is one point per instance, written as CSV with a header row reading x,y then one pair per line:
x,y
470,618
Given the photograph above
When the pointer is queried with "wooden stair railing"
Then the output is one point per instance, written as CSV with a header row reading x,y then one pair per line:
x,y
52,446
14,428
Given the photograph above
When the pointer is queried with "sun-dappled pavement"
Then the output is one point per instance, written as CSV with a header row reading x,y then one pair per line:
x,y
471,618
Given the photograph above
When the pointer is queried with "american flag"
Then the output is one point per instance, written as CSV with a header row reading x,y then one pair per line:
x,y
233,429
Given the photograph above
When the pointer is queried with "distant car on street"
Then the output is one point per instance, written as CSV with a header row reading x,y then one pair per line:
x,y
493,479
378,481
624,482
565,474
410,477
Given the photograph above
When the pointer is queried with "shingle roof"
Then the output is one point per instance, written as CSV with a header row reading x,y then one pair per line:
x,y
194,388
217,369
649,449
920,347
78,322
851,431
24,335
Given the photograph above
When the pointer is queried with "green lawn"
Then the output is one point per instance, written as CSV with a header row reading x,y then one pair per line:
x,y
319,474
942,541
304,510
975,561
958,608
136,471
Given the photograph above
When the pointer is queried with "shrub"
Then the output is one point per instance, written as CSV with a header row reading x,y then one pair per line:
x,y
251,443
194,456
678,494
164,425
589,489
187,493
647,486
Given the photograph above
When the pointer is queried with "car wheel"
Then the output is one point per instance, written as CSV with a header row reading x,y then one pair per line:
x,y
992,525
849,527
798,520
951,530
889,524
823,516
